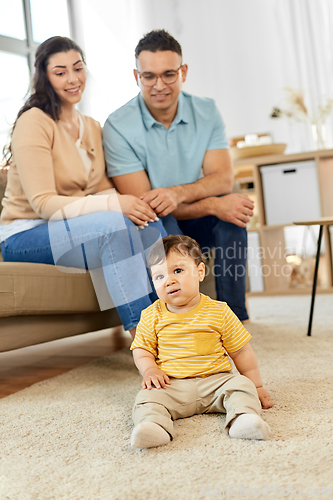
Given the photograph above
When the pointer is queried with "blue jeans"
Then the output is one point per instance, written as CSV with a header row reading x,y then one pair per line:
x,y
230,243
108,244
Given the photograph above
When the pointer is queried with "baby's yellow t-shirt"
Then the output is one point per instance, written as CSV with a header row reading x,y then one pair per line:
x,y
193,344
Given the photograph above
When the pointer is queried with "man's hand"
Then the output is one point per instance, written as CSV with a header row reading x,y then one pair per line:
x,y
154,377
235,208
136,210
265,399
163,200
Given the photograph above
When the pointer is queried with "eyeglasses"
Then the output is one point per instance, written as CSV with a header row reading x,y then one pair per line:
x,y
150,79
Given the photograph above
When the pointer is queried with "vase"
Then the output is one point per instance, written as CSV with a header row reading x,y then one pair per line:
x,y
319,135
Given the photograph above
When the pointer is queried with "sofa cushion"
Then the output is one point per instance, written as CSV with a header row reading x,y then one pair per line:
x,y
27,289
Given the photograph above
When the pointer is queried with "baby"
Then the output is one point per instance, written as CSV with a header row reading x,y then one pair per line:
x,y
182,347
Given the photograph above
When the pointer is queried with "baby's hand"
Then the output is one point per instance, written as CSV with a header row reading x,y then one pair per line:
x,y
265,398
154,377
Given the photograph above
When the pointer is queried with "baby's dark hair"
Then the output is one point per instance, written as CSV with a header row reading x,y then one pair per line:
x,y
184,245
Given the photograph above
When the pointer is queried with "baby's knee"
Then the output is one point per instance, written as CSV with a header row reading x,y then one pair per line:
x,y
152,396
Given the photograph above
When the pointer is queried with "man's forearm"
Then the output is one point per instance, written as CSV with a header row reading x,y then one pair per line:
x,y
210,185
195,210
136,183
217,177
234,208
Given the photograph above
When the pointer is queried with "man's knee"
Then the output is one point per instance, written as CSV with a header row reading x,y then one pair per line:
x,y
230,231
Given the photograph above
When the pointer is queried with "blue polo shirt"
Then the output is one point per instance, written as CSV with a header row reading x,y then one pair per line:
x,y
134,140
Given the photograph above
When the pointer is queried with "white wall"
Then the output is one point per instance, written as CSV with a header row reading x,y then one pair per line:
x,y
233,53
107,32
240,52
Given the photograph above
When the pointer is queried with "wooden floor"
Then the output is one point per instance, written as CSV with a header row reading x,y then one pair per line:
x,y
23,367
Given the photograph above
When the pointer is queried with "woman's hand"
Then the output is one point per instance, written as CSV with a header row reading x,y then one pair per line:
x,y
136,210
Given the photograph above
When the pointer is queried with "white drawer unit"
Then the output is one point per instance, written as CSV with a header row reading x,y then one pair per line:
x,y
291,192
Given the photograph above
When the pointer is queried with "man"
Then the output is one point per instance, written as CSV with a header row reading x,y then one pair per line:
x,y
170,149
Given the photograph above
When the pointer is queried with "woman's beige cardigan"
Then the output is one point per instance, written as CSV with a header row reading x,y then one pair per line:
x,y
47,176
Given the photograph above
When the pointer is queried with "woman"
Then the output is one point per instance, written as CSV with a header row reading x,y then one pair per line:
x,y
56,164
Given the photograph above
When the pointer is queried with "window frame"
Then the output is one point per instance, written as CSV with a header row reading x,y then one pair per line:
x,y
28,47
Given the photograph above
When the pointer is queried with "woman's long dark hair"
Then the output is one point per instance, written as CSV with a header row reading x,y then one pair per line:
x,y
43,95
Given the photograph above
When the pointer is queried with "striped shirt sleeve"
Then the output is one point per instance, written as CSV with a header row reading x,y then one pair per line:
x,y
234,335
145,336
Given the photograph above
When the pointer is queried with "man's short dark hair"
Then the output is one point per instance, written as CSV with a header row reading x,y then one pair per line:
x,y
158,40
184,245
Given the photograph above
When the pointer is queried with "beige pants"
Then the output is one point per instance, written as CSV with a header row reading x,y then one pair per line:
x,y
227,393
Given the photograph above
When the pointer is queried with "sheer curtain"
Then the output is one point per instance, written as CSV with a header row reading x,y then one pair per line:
x,y
306,34
108,31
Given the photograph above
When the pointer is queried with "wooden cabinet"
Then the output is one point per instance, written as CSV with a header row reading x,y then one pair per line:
x,y
277,265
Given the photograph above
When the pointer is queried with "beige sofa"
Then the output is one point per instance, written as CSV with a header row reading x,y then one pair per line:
x,y
39,303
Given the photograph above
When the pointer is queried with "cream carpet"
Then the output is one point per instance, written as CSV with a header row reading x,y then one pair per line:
x,y
69,437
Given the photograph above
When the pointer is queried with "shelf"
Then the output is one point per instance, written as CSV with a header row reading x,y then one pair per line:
x,y
290,291
283,158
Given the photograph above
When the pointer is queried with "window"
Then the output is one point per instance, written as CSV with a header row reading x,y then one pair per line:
x,y
49,19
14,84
24,24
12,11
